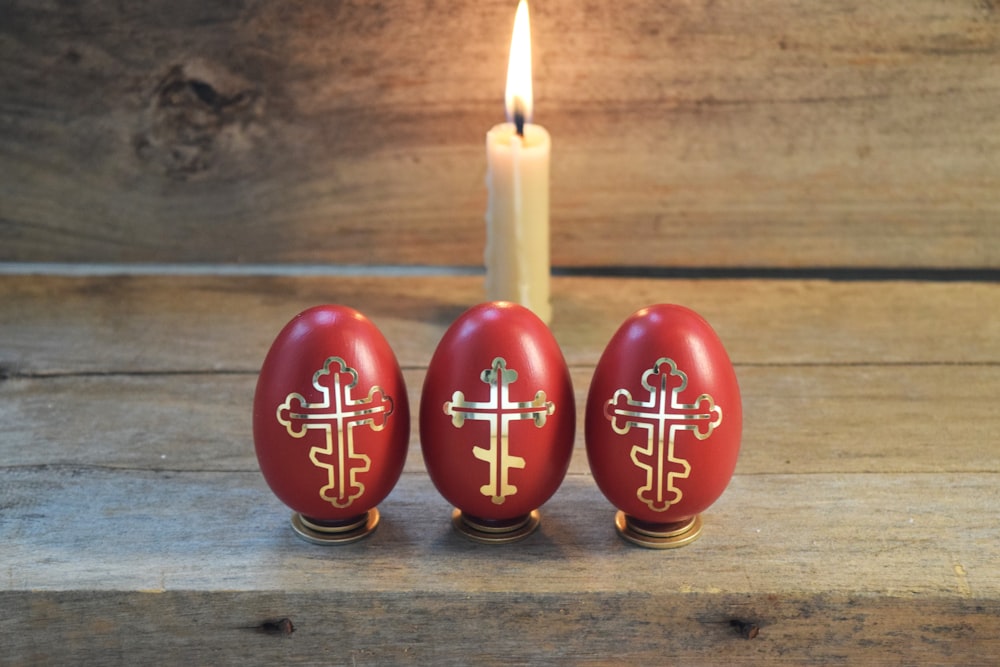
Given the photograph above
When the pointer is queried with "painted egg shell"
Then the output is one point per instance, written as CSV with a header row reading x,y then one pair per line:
x,y
331,419
663,418
497,413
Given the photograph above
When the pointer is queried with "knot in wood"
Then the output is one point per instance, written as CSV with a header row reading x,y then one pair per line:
x,y
193,114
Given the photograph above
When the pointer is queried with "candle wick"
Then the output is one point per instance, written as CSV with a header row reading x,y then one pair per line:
x,y
519,116
519,123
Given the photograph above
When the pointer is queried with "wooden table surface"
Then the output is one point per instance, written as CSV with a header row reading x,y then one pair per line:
x,y
135,527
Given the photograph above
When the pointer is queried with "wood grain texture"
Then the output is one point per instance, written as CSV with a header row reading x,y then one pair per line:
x,y
135,526
860,527
401,629
726,134
123,564
103,529
798,420
148,324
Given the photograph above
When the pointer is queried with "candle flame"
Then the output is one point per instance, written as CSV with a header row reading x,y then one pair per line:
x,y
518,98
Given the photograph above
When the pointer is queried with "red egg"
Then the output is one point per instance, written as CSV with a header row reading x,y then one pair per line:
x,y
331,422
663,424
497,420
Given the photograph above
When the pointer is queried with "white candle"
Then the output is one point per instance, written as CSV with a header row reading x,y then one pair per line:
x,y
517,178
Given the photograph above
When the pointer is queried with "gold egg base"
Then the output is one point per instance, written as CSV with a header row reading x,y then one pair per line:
x,y
666,536
484,532
326,533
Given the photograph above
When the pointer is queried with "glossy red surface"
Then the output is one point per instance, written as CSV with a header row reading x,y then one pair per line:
x,y
664,418
497,413
331,418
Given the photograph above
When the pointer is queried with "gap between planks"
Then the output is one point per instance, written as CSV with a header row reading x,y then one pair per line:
x,y
238,372
834,273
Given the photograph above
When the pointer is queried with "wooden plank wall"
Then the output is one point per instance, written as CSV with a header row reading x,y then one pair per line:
x,y
688,133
